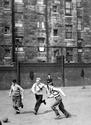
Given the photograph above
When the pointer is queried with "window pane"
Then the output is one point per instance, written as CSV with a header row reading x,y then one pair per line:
x,y
43,25
68,5
55,32
19,1
6,3
78,4
54,8
78,35
68,11
7,29
79,20
40,2
79,27
68,28
68,35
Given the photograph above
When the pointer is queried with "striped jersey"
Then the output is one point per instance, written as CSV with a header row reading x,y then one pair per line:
x,y
16,90
55,92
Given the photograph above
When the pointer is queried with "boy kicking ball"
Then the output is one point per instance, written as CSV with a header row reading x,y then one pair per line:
x,y
16,92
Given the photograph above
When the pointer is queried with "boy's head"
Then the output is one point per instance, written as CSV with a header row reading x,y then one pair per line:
x,y
38,80
14,81
49,75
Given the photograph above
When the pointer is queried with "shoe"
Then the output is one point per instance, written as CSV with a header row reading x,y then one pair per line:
x,y
44,102
35,112
22,105
68,115
58,117
18,111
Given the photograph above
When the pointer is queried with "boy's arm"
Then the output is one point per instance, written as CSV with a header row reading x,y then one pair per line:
x,y
33,89
60,90
21,89
10,92
50,96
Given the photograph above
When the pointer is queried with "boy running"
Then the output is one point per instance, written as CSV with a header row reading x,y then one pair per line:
x,y
17,95
37,90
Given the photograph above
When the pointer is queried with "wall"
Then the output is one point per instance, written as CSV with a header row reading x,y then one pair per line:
x,y
71,72
7,74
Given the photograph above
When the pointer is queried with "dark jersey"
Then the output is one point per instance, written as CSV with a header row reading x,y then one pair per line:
x,y
49,80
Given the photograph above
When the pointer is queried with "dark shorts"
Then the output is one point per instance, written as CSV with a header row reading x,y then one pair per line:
x,y
17,101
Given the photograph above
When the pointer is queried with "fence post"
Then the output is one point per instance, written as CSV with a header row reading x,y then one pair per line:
x,y
47,31
63,77
18,72
13,30
18,68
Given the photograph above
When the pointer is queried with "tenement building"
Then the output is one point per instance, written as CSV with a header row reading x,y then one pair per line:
x,y
45,29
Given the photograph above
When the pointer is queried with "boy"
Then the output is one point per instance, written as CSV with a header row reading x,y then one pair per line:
x,y
54,92
17,95
37,90
49,80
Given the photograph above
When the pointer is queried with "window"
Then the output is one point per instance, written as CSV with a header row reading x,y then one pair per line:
x,y
41,25
78,35
79,24
41,39
79,44
6,3
55,32
19,1
68,31
78,3
7,29
69,54
68,7
41,49
56,53
79,12
40,2
68,20
54,8
55,41
19,40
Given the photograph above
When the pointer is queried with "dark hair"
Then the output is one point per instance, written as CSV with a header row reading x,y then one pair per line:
x,y
14,81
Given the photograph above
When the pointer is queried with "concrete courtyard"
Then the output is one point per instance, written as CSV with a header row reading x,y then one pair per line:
x,y
77,102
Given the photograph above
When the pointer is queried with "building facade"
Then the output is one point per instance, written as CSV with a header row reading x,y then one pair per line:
x,y
44,30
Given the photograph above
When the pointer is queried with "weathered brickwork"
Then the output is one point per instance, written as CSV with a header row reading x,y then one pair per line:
x,y
66,22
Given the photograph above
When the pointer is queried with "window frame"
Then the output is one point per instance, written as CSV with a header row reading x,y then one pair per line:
x,y
79,23
55,29
67,31
6,3
7,29
68,8
56,9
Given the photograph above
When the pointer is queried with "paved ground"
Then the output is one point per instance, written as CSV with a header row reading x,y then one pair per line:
x,y
77,102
